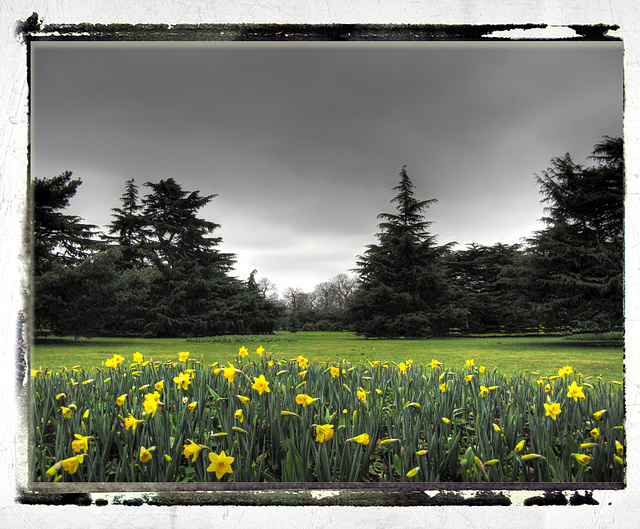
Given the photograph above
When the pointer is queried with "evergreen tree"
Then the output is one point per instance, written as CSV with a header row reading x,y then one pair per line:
x,y
572,271
58,238
402,287
130,228
475,273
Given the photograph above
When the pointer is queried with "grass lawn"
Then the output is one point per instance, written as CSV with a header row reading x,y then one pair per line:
x,y
508,354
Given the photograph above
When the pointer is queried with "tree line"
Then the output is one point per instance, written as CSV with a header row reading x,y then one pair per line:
x,y
158,270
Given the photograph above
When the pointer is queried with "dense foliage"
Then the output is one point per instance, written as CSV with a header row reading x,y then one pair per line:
x,y
270,419
159,271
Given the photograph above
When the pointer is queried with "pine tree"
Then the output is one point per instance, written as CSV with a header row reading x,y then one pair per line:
x,y
572,271
402,288
59,238
130,228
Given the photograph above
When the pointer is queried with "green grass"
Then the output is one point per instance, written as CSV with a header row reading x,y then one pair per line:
x,y
508,354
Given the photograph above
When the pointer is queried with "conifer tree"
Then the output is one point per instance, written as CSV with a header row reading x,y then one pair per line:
x,y
402,288
572,271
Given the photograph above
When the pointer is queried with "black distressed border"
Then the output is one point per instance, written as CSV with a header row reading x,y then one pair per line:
x,y
33,29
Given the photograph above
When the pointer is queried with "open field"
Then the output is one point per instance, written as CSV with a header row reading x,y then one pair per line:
x,y
509,354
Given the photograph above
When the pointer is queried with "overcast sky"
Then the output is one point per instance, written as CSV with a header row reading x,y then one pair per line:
x,y
303,143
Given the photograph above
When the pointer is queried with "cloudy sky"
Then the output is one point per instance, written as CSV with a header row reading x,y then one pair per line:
x,y
303,142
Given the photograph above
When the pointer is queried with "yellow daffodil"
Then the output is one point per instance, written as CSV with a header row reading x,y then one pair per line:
x,y
138,358
335,372
529,457
403,367
413,472
53,470
243,352
260,350
484,391
159,386
145,455
519,446
362,394
491,462
271,363
120,400
385,442
230,373
71,464
81,443
469,363
541,382
497,428
421,453
444,387
192,450
87,382
618,459
302,362
151,402
239,416
583,459
446,421
182,380
192,405
586,446
261,385
566,370
304,400
131,422
575,392
217,371
599,414
85,414
220,464
595,433
66,412
362,439
183,356
547,388
434,363
468,378
60,395
553,410
619,447
324,432
482,369
379,391
244,400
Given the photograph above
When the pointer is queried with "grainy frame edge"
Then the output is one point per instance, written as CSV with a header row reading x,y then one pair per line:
x,y
21,357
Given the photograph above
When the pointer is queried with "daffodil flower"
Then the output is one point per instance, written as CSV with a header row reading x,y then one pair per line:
x,y
138,358
304,400
243,352
81,443
71,464
444,387
362,439
553,410
484,391
413,472
192,450
66,412
575,392
362,394
220,464
244,400
421,453
131,422
239,416
260,350
389,441
324,432
302,361
335,372
120,400
446,421
151,402
583,459
469,363
434,363
261,385
145,454
159,386
519,446
599,414
230,373
183,356
182,380
192,406
491,462
619,447
595,433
